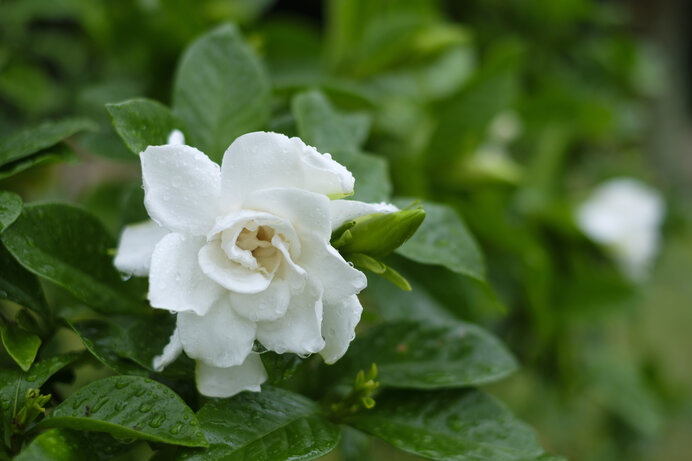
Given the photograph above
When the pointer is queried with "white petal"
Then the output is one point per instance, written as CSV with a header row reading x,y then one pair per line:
x,y
137,243
338,327
346,210
176,137
181,188
299,331
261,160
330,270
220,338
269,304
226,382
170,352
306,211
176,282
230,274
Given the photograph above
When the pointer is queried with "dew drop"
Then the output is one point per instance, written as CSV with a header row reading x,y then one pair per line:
x,y
145,407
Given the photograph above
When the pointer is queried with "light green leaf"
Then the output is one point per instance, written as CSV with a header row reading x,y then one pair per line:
x,y
10,208
19,285
453,425
66,445
69,247
142,122
371,173
14,384
129,406
34,145
419,355
221,91
274,425
321,126
444,240
20,344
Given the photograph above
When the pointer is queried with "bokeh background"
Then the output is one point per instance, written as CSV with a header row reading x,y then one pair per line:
x,y
513,111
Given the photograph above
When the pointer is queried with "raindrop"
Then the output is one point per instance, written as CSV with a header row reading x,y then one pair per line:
x,y
100,404
145,407
121,384
157,420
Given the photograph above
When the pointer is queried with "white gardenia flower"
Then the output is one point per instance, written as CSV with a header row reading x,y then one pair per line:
x,y
625,215
241,253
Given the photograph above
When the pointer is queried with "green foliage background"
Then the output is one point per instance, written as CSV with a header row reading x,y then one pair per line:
x,y
414,97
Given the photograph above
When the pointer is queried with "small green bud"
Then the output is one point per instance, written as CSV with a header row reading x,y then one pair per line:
x,y
378,234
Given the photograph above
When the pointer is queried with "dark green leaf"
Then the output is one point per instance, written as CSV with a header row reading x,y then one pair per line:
x,y
142,122
414,354
10,208
322,127
20,344
66,445
14,384
354,445
129,406
221,91
58,153
19,285
461,425
273,425
69,247
443,239
33,145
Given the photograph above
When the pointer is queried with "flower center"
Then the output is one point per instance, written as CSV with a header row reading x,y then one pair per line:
x,y
257,242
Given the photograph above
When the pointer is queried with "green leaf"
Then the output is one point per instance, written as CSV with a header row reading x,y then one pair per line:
x,y
10,208
444,240
274,425
38,144
66,445
142,122
321,126
19,285
20,344
14,384
138,340
454,425
99,336
129,406
69,247
371,173
221,91
419,355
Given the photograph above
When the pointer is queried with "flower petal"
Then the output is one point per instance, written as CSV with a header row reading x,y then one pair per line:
x,y
220,338
270,304
338,327
262,160
337,278
170,353
226,382
137,243
299,331
230,274
181,188
346,210
176,282
306,211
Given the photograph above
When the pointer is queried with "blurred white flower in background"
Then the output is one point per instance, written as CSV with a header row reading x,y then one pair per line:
x,y
242,253
625,215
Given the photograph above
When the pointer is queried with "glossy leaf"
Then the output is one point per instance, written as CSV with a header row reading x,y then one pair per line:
x,y
18,284
419,355
37,144
66,445
14,384
321,126
69,247
453,425
142,122
443,239
127,407
10,208
221,91
20,344
284,426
